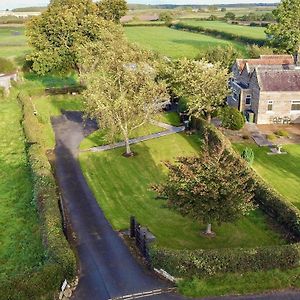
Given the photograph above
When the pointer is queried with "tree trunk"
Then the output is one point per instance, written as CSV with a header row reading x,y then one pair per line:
x,y
208,117
208,229
128,150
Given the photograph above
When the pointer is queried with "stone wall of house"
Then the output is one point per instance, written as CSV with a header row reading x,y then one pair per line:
x,y
282,102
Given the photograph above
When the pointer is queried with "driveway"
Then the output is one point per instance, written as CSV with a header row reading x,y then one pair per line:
x,y
106,267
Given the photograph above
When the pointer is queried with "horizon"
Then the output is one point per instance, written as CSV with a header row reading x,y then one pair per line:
x,y
41,3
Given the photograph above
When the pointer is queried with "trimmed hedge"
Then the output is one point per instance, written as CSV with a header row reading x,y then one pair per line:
x,y
146,24
210,262
219,34
189,263
43,282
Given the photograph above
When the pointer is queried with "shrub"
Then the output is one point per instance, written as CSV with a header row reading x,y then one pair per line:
x,y
6,66
200,262
271,137
282,132
232,118
248,155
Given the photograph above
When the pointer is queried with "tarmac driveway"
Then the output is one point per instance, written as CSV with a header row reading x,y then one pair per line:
x,y
107,268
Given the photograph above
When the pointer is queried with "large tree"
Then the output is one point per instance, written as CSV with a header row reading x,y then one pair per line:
x,y
285,33
202,84
123,92
65,26
211,188
112,10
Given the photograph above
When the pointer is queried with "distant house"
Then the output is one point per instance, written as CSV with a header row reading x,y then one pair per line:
x,y
5,80
267,89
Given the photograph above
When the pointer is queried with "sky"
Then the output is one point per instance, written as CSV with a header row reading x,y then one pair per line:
x,y
4,4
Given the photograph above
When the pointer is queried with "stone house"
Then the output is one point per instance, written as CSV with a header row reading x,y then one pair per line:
x,y
267,90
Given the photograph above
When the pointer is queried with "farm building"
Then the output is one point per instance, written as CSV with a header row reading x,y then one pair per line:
x,y
267,89
5,80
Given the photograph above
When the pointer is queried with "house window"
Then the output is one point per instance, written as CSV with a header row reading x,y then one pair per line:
x,y
235,95
295,105
248,100
270,105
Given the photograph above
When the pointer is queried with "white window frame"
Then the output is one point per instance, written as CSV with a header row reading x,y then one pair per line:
x,y
247,98
234,92
294,110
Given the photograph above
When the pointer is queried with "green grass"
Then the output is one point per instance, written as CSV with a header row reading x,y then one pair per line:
x,y
21,247
122,188
12,45
171,118
240,284
280,171
99,137
47,106
240,30
174,43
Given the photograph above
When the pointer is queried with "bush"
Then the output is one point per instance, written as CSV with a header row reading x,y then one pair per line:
x,y
282,132
6,66
248,155
232,118
189,263
271,137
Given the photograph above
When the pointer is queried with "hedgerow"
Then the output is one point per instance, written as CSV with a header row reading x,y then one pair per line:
x,y
45,280
219,34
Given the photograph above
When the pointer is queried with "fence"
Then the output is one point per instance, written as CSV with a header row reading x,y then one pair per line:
x,y
140,235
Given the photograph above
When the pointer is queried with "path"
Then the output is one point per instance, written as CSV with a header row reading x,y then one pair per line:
x,y
169,129
257,136
107,268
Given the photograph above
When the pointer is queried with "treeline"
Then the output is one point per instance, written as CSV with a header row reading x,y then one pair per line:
x,y
219,34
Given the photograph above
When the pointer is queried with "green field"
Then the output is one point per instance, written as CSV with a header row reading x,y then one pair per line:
x,y
122,187
21,247
13,42
240,30
280,171
174,43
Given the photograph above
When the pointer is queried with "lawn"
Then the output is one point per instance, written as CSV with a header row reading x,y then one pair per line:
x,y
240,30
174,43
241,284
13,42
122,187
280,171
21,246
47,106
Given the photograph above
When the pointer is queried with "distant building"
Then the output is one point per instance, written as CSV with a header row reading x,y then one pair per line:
x,y
267,89
5,80
5,13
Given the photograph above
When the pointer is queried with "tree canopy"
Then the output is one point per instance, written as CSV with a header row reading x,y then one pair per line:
x,y
65,26
122,91
211,188
202,84
285,33
112,10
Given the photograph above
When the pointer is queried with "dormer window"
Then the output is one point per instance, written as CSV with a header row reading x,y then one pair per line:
x,y
248,100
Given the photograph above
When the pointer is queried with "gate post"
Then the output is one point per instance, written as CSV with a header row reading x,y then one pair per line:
x,y
132,226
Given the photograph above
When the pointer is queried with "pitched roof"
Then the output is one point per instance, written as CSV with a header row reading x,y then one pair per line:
x,y
266,60
278,80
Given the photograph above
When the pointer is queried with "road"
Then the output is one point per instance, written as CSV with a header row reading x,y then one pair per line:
x,y
106,267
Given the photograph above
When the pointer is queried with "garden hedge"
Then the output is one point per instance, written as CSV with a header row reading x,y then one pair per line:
x,y
200,262
189,263
219,34
44,281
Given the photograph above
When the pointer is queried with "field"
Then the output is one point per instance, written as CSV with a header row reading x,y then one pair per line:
x,y
174,43
21,247
244,31
123,188
13,42
280,171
